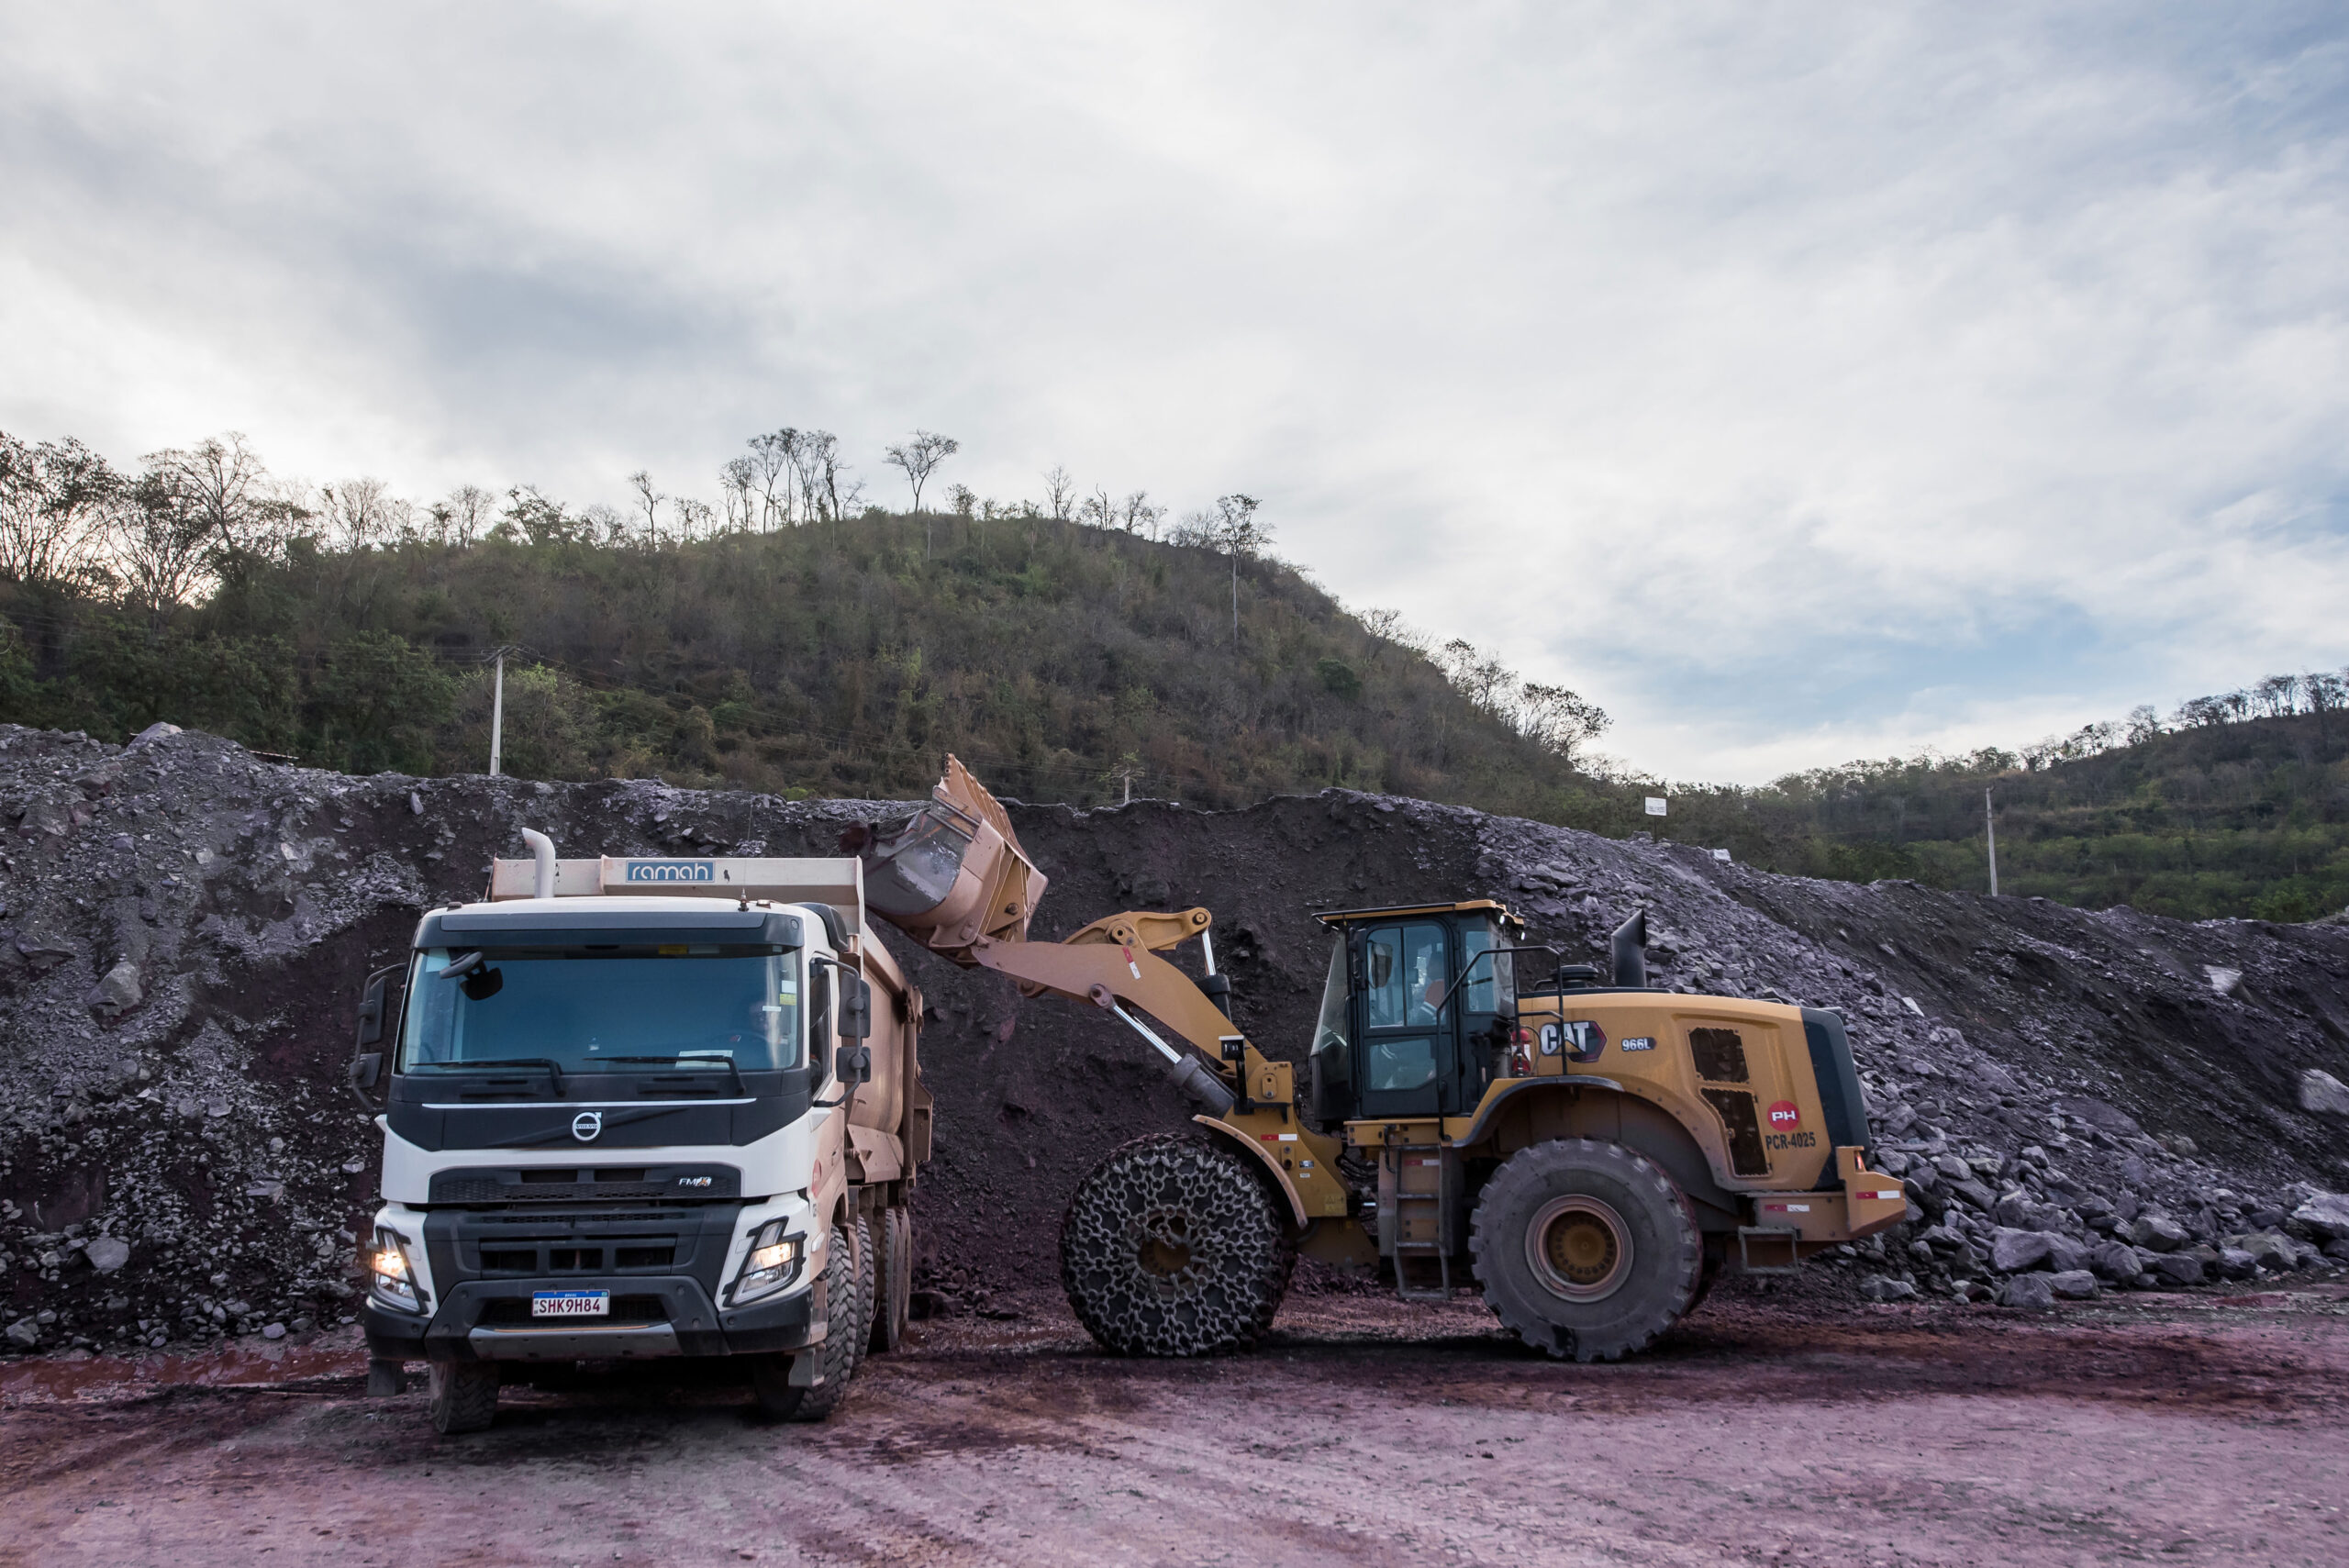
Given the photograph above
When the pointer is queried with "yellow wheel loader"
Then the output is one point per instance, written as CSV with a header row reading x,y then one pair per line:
x,y
1587,1152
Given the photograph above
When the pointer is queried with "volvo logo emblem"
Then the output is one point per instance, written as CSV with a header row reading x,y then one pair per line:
x,y
588,1126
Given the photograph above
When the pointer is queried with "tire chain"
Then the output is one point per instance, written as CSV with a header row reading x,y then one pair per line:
x,y
1187,1193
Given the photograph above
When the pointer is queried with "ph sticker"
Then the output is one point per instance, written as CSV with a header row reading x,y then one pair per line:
x,y
1784,1117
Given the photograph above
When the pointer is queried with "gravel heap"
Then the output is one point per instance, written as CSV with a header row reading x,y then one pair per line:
x,y
2075,1099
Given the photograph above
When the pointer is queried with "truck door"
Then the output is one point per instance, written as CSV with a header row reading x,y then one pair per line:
x,y
1408,1048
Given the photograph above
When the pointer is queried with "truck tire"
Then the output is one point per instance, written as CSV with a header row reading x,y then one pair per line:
x,y
893,1292
1172,1247
771,1383
868,1270
1586,1249
461,1395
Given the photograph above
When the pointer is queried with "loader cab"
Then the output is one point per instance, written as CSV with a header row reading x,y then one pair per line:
x,y
1416,1010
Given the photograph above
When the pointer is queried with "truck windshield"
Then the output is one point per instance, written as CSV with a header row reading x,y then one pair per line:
x,y
589,1010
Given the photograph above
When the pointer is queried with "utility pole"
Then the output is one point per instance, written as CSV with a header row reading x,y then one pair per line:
x,y
1990,831
497,713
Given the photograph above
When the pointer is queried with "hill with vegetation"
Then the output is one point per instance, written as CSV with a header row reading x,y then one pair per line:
x,y
820,652
2237,805
801,641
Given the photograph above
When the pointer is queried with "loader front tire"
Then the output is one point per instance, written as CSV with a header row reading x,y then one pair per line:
x,y
1586,1249
1172,1247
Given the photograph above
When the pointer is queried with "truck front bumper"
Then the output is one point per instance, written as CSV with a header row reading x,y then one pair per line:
x,y
653,1317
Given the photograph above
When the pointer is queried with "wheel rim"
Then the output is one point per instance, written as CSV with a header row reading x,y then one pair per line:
x,y
1165,1242
1579,1248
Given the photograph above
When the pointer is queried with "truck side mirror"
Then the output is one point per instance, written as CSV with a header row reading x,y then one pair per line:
x,y
378,1006
854,1064
856,1005
371,1008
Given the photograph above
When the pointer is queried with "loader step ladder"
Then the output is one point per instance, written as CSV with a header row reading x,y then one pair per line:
x,y
1426,1177
1773,1236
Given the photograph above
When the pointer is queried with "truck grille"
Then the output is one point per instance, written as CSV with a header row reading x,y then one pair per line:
x,y
606,1183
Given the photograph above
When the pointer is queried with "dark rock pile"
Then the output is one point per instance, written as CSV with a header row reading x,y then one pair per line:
x,y
2002,1043
2076,1099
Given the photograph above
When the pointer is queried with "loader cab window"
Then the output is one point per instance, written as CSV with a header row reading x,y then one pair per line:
x,y
1407,1047
1331,1064
1491,987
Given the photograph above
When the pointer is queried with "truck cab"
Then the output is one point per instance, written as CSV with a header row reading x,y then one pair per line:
x,y
623,1124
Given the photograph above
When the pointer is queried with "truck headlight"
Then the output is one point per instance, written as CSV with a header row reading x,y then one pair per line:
x,y
389,1278
772,1263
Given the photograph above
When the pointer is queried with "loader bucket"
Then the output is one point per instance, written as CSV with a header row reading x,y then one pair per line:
x,y
953,872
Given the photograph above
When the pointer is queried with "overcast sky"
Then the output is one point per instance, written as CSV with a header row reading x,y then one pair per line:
x,y
1802,382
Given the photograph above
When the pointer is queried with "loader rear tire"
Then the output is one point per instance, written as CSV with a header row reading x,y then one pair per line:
x,y
1586,1249
892,1287
771,1383
1172,1247
461,1396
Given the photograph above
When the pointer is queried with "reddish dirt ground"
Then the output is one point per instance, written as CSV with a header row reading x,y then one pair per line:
x,y
2175,1429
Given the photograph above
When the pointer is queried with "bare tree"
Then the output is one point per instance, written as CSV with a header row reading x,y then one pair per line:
x,y
54,499
362,513
842,490
810,453
772,457
919,459
2202,713
471,509
1137,516
2277,697
224,484
694,515
2144,724
648,501
1233,527
1558,720
738,490
1480,676
160,541
1060,490
1099,510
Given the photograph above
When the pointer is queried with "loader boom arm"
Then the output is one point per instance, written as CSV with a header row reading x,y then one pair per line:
x,y
953,877
1112,961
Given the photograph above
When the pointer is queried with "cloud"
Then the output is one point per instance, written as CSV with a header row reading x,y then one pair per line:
x,y
1798,379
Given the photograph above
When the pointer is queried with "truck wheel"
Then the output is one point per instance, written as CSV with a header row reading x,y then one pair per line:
x,y
1172,1248
893,1251
868,1270
1585,1249
462,1396
771,1383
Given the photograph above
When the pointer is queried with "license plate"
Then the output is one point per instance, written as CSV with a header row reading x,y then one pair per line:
x,y
571,1303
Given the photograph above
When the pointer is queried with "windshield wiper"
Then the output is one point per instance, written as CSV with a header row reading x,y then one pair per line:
x,y
673,1061
554,1068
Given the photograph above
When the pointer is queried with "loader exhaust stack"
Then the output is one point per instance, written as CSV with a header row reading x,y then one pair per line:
x,y
1631,952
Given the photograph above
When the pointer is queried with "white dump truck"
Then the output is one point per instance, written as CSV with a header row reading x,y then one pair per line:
x,y
642,1107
